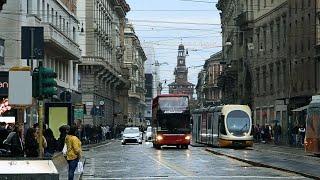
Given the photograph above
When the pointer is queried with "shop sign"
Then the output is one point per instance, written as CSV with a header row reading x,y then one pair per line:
x,y
4,83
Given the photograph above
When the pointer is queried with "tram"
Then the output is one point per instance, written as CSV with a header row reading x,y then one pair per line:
x,y
312,138
223,126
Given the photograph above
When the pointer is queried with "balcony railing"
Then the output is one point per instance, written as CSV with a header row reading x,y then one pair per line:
x,y
93,60
244,18
54,36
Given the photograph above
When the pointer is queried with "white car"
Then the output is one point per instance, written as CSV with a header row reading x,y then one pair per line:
x,y
149,133
131,135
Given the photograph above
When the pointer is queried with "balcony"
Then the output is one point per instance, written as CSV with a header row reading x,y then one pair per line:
x,y
244,19
92,60
57,40
134,95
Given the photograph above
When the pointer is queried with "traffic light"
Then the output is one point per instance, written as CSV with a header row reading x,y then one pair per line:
x,y
43,83
47,83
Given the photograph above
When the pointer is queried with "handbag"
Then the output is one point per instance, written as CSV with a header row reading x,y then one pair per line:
x,y
80,167
64,150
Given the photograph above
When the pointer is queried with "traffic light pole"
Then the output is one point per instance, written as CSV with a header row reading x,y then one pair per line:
x,y
41,149
40,112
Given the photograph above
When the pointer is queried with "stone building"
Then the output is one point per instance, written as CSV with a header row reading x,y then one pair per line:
x,y
103,77
277,52
229,78
134,60
181,84
61,48
208,91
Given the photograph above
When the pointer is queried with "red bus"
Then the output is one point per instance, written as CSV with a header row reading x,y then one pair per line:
x,y
171,121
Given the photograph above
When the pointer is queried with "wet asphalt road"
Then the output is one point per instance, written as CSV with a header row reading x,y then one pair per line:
x,y
133,161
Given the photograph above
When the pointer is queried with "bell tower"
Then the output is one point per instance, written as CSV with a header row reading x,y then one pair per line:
x,y
181,71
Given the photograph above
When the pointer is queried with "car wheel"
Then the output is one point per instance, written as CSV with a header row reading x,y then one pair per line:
x,y
123,143
140,142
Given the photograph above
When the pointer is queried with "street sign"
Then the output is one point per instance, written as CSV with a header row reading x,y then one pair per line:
x,y
32,36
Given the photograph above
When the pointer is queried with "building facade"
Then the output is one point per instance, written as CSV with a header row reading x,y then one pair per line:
x,y
134,60
61,49
181,84
208,91
277,52
228,81
103,77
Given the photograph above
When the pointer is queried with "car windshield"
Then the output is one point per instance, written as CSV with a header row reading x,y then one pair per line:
x,y
131,130
238,122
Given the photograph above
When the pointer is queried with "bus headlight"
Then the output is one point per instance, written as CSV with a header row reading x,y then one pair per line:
x,y
188,137
159,138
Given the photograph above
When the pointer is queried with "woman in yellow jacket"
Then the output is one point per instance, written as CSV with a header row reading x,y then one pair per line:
x,y
74,151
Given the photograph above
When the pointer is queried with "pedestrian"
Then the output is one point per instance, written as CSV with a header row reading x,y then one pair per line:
x,y
63,133
295,136
3,134
16,142
51,143
31,143
302,132
41,140
74,151
277,133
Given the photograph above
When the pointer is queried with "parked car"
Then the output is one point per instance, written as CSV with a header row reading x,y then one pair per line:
x,y
149,133
131,135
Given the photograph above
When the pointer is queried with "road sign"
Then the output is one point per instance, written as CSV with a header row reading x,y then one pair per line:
x,y
32,36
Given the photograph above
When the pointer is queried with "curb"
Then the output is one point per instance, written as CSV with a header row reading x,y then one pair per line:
x,y
258,164
88,146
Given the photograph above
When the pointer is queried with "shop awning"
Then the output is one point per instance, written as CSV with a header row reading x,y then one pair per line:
x,y
300,108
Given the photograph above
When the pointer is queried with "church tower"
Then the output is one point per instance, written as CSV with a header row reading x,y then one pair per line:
x,y
181,84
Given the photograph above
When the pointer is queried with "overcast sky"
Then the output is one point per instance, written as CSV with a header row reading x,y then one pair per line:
x,y
166,23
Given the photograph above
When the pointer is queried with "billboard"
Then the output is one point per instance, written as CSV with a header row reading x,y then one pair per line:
x,y
20,89
57,115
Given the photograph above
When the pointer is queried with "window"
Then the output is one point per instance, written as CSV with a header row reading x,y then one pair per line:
x,y
258,81
284,25
52,15
264,39
265,3
302,46
60,22
271,34
74,34
271,78
48,11
278,75
258,5
56,19
264,74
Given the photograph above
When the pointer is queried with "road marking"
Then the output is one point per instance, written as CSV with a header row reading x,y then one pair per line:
x,y
168,165
205,177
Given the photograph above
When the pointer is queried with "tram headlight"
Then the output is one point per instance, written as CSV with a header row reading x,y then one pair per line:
x,y
159,138
188,137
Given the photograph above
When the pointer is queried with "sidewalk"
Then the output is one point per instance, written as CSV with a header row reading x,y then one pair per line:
x,y
284,158
62,164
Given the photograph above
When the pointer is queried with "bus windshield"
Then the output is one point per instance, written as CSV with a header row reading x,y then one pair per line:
x,y
174,123
173,104
238,122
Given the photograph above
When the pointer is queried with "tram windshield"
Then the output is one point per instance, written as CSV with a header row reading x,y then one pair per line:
x,y
238,122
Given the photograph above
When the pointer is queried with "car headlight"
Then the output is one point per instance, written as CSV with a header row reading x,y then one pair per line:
x,y
159,138
188,137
